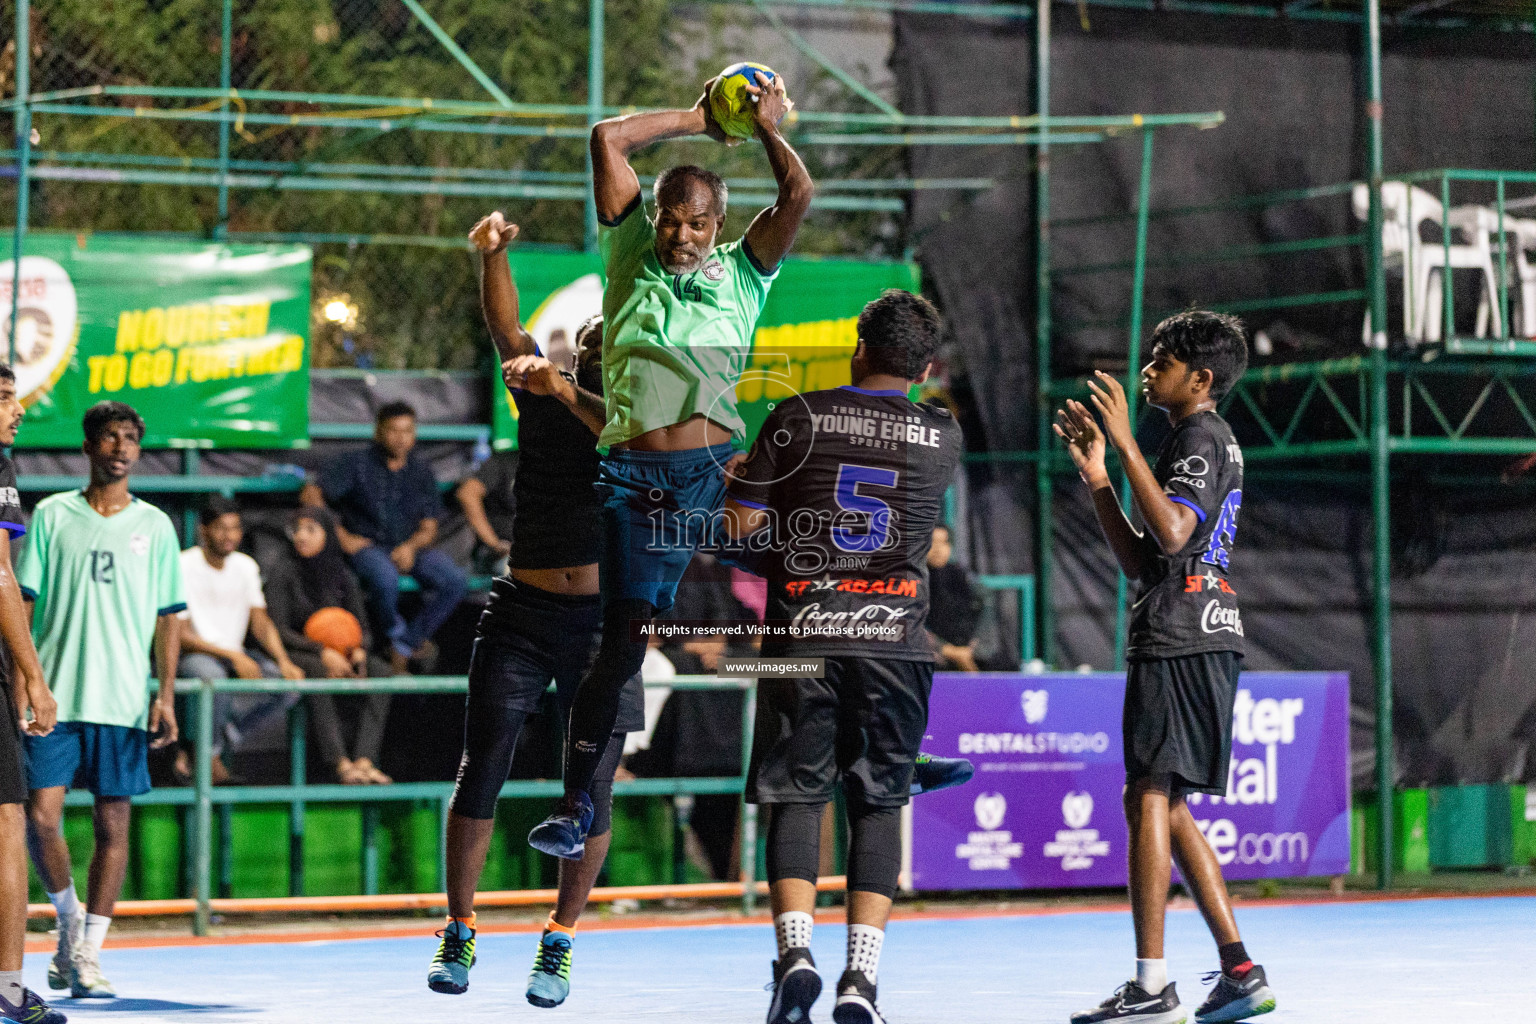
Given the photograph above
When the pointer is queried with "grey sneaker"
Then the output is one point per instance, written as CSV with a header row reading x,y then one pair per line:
x,y
86,980
71,938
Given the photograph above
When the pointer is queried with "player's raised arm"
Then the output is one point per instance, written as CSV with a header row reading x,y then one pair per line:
x,y
614,182
498,292
773,231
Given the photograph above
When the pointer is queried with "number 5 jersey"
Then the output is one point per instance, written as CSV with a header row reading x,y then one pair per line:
x,y
1185,603
854,481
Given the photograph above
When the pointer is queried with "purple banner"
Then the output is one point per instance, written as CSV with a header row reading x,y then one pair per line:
x,y
1044,808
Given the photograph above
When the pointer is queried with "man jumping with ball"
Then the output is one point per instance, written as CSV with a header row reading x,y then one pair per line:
x,y
679,315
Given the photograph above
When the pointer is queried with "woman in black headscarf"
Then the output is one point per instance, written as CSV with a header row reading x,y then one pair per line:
x,y
314,575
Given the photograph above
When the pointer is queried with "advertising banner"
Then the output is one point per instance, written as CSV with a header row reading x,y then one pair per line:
x,y
207,341
1044,808
802,343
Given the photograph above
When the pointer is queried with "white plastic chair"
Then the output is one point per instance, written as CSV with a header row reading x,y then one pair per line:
x,y
1480,225
1524,252
1412,243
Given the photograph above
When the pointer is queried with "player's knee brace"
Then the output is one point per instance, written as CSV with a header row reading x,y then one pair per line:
x,y
874,855
794,841
490,737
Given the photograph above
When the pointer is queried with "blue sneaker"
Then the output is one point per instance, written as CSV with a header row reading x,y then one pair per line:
x,y
455,956
550,980
31,1011
564,833
931,773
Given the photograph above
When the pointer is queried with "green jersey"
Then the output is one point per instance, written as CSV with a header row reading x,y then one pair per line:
x,y
99,583
674,346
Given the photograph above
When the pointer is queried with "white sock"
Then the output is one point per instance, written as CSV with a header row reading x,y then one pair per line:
x,y
1152,975
65,902
793,930
11,989
96,930
864,942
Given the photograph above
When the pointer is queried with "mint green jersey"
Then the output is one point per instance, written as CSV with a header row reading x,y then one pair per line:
x,y
674,346
99,583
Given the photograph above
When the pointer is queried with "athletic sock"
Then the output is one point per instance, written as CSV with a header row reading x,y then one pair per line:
x,y
1234,959
555,926
793,930
65,902
96,930
1152,975
11,988
864,942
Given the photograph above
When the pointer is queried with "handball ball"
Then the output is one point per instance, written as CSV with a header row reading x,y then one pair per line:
x,y
729,101
335,628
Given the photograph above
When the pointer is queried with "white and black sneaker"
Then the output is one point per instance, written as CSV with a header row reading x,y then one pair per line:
x,y
795,987
856,1000
1133,1003
1236,998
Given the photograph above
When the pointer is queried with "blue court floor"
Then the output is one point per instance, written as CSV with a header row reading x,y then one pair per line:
x,y
1461,960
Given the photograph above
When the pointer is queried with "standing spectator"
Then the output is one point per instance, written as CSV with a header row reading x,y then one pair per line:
x,y
102,570
224,605
490,506
35,712
389,509
955,605
314,575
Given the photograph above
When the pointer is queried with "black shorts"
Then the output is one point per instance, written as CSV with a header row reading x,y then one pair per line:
x,y
863,722
13,765
528,637
1177,721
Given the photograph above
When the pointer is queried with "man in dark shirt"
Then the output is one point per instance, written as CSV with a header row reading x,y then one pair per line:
x,y
489,501
1186,646
841,492
388,507
955,606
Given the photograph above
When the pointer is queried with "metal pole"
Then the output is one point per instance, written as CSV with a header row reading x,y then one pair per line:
x,y
1133,363
221,229
23,157
298,721
203,816
1044,504
748,810
1381,583
594,112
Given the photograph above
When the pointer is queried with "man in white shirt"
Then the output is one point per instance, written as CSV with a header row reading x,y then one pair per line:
x,y
225,605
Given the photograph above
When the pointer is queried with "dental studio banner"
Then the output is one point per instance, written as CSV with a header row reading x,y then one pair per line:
x,y
802,343
207,341
1044,808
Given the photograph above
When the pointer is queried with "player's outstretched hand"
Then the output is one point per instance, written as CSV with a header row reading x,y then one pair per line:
x,y
1085,441
162,723
535,375
773,103
492,234
1109,398
711,126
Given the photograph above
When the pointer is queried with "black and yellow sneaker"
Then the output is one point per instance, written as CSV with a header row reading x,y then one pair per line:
x,y
455,956
795,987
1135,1005
1236,998
550,980
930,774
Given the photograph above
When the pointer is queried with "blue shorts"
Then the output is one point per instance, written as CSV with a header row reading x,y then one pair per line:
x,y
108,760
658,508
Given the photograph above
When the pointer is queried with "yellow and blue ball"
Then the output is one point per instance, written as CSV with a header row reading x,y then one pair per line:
x,y
730,102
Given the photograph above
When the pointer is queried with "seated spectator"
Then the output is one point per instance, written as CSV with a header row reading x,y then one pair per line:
x,y
224,606
954,608
313,575
489,506
387,502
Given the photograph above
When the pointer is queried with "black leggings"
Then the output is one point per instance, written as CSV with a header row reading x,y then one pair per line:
x,y
595,707
490,738
874,846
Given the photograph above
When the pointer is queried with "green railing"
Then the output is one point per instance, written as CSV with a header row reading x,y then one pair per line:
x,y
1024,586
202,797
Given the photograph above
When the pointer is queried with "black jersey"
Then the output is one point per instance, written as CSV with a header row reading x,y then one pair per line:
x,y
556,522
1185,603
10,502
855,480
